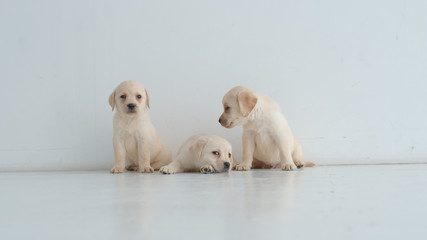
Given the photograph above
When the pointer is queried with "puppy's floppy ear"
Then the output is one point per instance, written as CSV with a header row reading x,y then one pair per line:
x,y
197,148
112,100
148,98
247,101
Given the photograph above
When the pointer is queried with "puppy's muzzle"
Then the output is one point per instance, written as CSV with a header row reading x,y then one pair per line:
x,y
222,122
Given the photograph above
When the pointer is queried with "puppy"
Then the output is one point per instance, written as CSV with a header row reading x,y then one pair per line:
x,y
204,153
267,139
135,139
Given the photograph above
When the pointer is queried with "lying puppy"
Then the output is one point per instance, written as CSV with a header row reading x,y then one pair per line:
x,y
204,153
267,139
135,139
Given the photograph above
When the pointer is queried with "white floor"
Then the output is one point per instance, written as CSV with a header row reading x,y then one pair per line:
x,y
348,202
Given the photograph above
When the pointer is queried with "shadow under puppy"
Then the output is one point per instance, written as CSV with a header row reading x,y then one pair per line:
x,y
135,139
204,153
268,141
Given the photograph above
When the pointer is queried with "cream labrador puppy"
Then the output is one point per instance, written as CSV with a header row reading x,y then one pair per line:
x,y
136,142
267,139
204,153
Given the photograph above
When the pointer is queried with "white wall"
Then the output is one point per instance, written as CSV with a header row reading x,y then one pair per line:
x,y
349,76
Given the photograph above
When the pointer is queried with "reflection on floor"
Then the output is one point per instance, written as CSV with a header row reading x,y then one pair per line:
x,y
345,202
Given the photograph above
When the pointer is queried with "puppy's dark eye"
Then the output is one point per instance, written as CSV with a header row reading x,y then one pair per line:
x,y
139,96
227,108
229,155
123,96
215,153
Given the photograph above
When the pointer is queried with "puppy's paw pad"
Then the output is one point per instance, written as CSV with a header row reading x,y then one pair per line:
x,y
207,169
166,170
242,167
289,167
146,170
116,170
132,168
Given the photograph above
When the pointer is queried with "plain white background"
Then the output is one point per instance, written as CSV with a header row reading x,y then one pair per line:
x,y
350,76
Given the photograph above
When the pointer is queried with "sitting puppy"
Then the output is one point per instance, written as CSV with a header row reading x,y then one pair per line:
x,y
204,153
135,139
267,139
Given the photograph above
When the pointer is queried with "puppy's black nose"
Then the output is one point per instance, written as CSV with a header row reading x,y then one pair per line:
x,y
227,165
219,120
131,106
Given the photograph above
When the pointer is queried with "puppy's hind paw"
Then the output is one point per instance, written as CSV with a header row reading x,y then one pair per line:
x,y
167,170
116,170
132,167
289,167
146,169
299,164
207,169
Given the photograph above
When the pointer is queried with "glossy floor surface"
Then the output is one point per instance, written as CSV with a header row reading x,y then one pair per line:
x,y
348,202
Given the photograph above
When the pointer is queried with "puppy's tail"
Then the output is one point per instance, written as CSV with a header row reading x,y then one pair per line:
x,y
309,164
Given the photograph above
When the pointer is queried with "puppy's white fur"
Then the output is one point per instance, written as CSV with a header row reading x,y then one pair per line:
x,y
204,153
136,142
267,139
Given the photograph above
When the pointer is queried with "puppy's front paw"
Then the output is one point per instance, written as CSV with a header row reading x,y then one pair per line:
x,y
147,169
242,167
289,167
167,170
207,169
116,170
